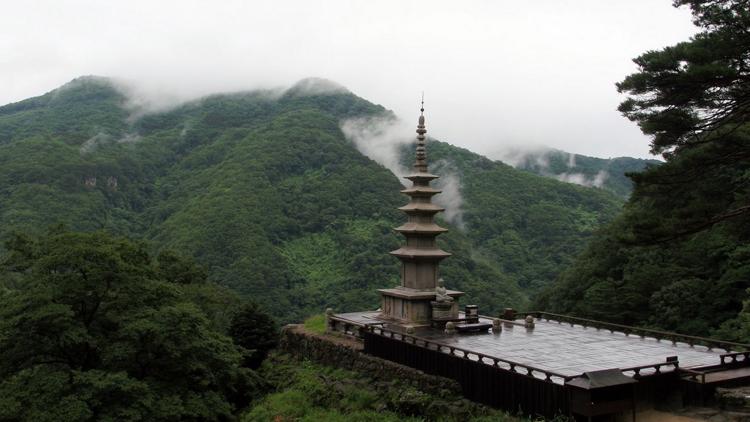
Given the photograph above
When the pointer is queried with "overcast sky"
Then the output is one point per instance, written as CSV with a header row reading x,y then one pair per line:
x,y
495,73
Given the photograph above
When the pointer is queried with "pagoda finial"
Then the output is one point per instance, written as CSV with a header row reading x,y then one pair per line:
x,y
421,163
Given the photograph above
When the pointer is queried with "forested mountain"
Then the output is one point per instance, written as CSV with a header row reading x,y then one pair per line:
x,y
604,173
264,189
530,227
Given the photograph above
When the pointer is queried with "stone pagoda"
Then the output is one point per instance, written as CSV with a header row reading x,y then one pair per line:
x,y
420,299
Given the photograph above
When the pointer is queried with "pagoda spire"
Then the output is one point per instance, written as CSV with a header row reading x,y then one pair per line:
x,y
420,256
421,162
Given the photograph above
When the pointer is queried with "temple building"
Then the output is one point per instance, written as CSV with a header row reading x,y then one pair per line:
x,y
536,362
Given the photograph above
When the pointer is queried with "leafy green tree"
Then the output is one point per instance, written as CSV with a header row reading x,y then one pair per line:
x,y
92,333
256,332
738,328
176,268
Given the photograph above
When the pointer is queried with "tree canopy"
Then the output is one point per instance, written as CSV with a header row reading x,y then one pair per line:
x,y
694,99
683,93
90,330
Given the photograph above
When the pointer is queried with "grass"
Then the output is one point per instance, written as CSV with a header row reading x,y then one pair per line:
x,y
316,324
304,391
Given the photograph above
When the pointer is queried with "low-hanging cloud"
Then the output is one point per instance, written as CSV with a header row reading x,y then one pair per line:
x,y
100,139
537,158
90,145
451,198
581,179
188,50
584,180
143,99
316,86
517,156
382,139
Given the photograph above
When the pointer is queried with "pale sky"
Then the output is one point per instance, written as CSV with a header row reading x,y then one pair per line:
x,y
495,73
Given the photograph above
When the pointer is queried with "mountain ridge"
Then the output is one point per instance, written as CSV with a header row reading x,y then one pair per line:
x,y
605,173
270,195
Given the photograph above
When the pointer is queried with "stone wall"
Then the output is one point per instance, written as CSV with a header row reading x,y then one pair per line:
x,y
345,352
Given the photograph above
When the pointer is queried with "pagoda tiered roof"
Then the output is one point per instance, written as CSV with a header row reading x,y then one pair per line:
x,y
410,304
411,252
423,207
420,191
421,175
420,228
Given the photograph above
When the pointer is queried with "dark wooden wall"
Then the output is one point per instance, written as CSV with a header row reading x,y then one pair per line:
x,y
482,383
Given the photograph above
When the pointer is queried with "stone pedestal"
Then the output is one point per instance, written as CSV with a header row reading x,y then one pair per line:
x,y
442,311
410,307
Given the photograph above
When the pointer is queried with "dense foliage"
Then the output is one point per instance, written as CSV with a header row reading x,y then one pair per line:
x,y
255,331
660,263
530,227
308,392
678,256
90,331
264,190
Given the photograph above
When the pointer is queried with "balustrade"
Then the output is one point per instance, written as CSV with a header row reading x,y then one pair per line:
x,y
658,335
338,324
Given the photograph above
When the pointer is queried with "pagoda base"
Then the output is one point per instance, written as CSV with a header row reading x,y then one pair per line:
x,y
405,308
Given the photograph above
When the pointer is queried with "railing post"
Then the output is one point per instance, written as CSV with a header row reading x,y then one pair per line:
x,y
330,323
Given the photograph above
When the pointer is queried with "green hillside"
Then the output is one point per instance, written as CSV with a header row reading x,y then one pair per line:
x,y
530,227
605,173
264,189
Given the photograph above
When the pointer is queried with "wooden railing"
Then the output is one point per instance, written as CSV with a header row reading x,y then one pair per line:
x,y
735,357
519,390
728,361
346,326
357,328
710,343
698,376
653,369
517,367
